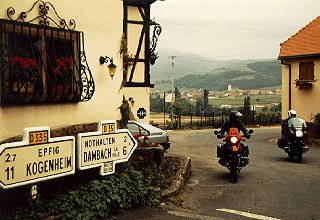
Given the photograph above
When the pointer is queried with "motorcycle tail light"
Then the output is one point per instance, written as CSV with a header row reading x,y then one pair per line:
x,y
299,133
234,140
234,148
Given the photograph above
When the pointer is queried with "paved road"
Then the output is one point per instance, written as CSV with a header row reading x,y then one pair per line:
x,y
270,187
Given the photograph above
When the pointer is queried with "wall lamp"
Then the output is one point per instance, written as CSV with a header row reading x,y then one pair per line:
x,y
112,67
131,100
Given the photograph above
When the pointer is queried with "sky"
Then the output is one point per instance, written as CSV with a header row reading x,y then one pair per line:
x,y
231,29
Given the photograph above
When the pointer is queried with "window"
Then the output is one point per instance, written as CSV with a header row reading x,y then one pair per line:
x,y
137,130
41,64
134,129
306,71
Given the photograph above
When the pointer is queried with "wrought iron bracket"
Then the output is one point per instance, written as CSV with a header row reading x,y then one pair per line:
x,y
43,17
154,40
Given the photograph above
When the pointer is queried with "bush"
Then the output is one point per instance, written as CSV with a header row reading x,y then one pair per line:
x,y
95,199
316,119
268,118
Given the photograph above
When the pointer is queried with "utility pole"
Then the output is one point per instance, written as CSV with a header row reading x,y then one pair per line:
x,y
172,101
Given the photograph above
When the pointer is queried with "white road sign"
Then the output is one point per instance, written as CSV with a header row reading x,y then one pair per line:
x,y
37,157
105,148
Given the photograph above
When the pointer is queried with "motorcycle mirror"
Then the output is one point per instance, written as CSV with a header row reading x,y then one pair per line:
x,y
304,127
250,131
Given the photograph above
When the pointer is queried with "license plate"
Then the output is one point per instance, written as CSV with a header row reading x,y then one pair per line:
x,y
234,148
38,137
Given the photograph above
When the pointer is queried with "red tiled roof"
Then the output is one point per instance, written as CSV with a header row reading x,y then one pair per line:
x,y
304,43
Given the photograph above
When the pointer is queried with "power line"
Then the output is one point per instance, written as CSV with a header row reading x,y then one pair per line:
x,y
248,45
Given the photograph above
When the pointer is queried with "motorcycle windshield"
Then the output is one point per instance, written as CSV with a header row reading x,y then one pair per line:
x,y
297,123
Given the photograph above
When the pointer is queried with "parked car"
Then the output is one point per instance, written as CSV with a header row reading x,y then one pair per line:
x,y
149,133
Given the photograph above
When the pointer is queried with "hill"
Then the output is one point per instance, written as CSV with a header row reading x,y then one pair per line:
x,y
188,63
254,75
260,75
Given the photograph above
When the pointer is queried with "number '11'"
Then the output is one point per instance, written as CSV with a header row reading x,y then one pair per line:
x,y
10,172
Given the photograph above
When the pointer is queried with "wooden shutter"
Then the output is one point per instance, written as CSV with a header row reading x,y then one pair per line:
x,y
306,71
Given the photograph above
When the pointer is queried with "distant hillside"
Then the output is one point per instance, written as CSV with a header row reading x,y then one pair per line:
x,y
187,63
254,75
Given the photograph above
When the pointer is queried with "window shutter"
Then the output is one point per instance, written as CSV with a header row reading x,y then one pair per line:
x,y
306,71
310,73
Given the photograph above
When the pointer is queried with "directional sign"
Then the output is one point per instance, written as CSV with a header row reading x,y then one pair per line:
x,y
141,113
37,157
105,148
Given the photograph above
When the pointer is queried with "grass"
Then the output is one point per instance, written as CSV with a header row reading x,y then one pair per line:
x,y
239,100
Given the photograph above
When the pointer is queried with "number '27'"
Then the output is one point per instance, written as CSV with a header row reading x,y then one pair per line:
x,y
10,158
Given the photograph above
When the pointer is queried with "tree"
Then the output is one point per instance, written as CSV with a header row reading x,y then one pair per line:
x,y
246,110
177,94
199,106
206,100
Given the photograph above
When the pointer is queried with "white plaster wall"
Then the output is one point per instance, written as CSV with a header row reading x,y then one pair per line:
x,y
101,22
305,102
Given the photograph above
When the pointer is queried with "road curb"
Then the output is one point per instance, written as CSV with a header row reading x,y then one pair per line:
x,y
180,178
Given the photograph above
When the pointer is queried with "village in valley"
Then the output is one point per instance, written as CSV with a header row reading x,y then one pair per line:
x,y
231,97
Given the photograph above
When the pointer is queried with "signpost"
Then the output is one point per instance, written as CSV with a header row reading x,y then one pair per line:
x,y
36,158
105,148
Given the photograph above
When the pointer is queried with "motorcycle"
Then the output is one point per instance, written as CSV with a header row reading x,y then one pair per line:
x,y
295,146
233,152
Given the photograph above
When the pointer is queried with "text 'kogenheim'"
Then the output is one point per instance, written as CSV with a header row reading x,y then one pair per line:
x,y
50,165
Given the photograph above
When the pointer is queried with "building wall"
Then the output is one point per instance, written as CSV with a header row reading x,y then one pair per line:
x,y
102,24
285,90
305,102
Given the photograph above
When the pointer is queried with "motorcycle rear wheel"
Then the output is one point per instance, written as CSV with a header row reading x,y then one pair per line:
x,y
291,156
234,169
299,157
234,174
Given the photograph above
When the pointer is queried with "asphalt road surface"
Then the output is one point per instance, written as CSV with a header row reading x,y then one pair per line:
x,y
269,188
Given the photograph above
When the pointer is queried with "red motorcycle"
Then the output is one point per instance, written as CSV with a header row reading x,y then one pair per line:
x,y
233,152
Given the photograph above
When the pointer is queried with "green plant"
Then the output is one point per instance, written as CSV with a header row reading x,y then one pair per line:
x,y
316,119
125,111
268,118
95,199
128,59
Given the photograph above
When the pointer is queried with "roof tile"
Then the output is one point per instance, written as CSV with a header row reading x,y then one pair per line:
x,y
305,42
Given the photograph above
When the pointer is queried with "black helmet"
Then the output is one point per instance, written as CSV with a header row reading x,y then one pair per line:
x,y
234,115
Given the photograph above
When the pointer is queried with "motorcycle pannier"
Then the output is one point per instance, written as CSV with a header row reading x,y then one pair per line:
x,y
281,143
219,151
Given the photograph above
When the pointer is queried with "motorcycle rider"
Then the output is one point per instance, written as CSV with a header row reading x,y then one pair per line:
x,y
235,122
285,132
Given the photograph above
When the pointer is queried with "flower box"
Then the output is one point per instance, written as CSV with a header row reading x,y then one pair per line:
x,y
304,84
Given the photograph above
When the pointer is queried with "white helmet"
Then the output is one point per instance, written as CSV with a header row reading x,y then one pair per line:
x,y
292,113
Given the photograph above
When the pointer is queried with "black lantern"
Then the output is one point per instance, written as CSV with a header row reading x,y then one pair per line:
x,y
111,67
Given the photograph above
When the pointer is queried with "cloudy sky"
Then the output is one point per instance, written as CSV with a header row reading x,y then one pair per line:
x,y
231,29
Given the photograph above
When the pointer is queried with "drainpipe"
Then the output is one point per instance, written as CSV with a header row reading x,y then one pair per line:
x,y
289,65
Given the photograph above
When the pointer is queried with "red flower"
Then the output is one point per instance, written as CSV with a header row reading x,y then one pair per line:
x,y
57,71
32,63
60,63
14,60
68,61
25,63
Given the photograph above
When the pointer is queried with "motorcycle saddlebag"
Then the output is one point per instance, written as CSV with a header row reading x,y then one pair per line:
x,y
281,143
220,151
